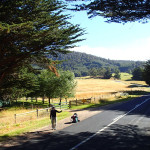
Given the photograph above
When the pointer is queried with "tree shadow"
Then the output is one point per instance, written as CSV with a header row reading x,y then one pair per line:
x,y
119,137
137,85
137,92
116,137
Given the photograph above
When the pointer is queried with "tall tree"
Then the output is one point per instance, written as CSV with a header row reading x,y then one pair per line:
x,y
118,10
19,84
31,30
147,72
47,82
117,74
108,74
137,74
65,85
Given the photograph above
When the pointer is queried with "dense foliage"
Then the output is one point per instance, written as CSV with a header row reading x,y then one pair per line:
x,y
84,64
147,72
30,30
42,83
137,74
107,74
117,74
117,10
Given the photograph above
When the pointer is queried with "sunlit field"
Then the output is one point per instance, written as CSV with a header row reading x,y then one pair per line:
x,y
90,87
86,87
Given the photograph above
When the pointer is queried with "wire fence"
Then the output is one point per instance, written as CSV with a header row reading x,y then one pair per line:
x,y
39,113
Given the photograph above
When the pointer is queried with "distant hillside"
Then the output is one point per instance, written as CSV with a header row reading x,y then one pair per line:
x,y
82,63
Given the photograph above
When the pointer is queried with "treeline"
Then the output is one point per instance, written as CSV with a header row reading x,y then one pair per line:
x,y
83,64
142,73
38,83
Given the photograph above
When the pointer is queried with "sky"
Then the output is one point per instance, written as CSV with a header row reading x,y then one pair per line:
x,y
115,41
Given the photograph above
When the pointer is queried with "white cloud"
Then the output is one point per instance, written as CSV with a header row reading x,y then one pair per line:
x,y
139,50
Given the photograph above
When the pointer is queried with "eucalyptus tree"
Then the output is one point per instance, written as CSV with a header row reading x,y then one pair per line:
x,y
47,81
52,86
65,85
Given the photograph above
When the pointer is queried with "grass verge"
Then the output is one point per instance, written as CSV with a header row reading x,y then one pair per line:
x,y
104,102
31,125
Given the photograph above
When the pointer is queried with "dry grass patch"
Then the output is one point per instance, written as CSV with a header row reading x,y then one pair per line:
x,y
94,87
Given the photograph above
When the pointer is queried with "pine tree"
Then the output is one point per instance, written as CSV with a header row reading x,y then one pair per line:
x,y
120,11
31,30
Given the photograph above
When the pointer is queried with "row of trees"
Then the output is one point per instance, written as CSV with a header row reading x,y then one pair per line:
x,y
36,84
105,73
138,73
82,63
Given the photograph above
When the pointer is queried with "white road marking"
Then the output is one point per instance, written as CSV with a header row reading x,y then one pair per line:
x,y
114,121
118,117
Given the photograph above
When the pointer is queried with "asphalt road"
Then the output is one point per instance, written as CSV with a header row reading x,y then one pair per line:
x,y
122,126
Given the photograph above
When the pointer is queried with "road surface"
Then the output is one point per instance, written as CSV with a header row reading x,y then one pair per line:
x,y
122,126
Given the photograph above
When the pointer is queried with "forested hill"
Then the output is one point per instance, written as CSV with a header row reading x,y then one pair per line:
x,y
81,63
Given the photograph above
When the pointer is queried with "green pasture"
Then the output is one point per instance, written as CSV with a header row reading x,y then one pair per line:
x,y
125,76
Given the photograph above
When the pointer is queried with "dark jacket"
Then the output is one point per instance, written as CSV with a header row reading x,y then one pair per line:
x,y
53,113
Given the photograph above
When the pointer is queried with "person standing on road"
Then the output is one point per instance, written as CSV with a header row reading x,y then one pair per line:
x,y
53,117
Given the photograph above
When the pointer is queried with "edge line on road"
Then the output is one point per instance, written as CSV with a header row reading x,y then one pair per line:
x,y
114,121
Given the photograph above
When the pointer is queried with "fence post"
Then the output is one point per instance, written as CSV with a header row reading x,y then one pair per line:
x,y
32,106
60,105
76,102
69,104
37,113
15,118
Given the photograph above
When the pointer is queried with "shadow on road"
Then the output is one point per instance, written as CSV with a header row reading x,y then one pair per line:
x,y
116,137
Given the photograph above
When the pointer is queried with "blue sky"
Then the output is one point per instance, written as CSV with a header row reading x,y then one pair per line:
x,y
115,41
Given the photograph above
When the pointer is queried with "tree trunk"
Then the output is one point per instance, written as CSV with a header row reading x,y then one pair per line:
x,y
60,100
49,101
66,100
43,100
